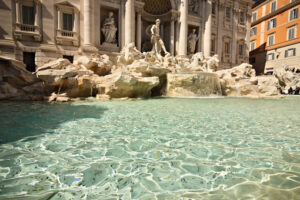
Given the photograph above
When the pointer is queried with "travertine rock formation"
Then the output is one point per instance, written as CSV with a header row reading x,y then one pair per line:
x,y
241,81
193,85
289,79
17,83
137,74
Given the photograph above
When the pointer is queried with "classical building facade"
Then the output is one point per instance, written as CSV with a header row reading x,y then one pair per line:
x,y
37,31
275,35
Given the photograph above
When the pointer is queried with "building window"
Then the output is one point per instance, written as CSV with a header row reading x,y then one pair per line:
x,y
67,22
292,1
294,14
272,23
228,12
252,45
28,15
254,17
227,48
213,8
290,52
270,56
242,17
291,33
213,45
273,6
241,49
253,31
271,39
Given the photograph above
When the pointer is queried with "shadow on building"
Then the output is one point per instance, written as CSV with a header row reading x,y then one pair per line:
x,y
258,60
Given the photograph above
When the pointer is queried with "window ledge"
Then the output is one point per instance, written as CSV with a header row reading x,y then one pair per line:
x,y
22,30
64,36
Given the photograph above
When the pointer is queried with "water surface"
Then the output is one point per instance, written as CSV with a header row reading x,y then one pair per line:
x,y
227,148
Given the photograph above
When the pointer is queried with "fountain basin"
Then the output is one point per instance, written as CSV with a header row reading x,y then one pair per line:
x,y
193,85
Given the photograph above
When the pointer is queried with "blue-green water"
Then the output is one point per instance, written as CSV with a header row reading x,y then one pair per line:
x,y
225,148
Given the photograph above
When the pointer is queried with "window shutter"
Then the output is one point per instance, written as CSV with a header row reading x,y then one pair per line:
x,y
296,13
269,22
275,23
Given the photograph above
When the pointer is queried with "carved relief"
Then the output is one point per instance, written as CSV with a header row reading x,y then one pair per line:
x,y
194,6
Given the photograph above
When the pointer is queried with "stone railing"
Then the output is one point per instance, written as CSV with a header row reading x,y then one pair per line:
x,y
23,31
64,36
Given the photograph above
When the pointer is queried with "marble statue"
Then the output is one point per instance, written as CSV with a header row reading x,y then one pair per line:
x,y
156,40
109,29
192,40
194,6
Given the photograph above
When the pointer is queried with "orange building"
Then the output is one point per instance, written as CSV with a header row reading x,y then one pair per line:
x,y
275,35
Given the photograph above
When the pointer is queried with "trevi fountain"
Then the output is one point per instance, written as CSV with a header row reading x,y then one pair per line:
x,y
148,125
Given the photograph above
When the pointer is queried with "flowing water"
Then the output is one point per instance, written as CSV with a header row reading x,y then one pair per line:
x,y
226,148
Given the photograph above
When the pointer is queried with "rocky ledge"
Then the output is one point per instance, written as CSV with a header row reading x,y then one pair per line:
x,y
134,74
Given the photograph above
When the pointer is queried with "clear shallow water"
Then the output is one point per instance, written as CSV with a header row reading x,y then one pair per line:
x,y
151,149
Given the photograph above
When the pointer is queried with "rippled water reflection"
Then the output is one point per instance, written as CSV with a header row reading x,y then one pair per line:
x,y
151,149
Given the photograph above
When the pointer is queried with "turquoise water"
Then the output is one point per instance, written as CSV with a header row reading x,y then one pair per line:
x,y
227,148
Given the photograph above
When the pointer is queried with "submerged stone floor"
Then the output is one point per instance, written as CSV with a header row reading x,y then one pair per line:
x,y
222,148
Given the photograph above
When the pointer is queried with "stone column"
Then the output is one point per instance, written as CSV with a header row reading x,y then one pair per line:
x,y
129,20
248,27
36,16
203,17
76,19
59,19
199,39
207,31
172,32
234,55
221,17
87,21
182,48
17,12
139,30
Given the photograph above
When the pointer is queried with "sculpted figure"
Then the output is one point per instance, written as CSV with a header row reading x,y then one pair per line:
x,y
109,29
192,40
212,63
194,6
156,41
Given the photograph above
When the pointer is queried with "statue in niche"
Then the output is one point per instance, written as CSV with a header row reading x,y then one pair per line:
x,y
192,40
109,29
156,41
194,6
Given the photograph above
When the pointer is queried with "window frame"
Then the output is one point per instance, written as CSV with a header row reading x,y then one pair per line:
x,y
228,11
274,41
213,8
290,14
254,46
64,13
254,14
270,54
294,27
274,24
252,32
271,6
291,49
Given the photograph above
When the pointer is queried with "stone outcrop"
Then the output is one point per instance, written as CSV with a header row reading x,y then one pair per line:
x,y
193,85
241,81
289,79
134,74
17,83
121,84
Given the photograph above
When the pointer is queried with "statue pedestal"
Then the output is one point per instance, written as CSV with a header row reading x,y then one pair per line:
x,y
105,46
